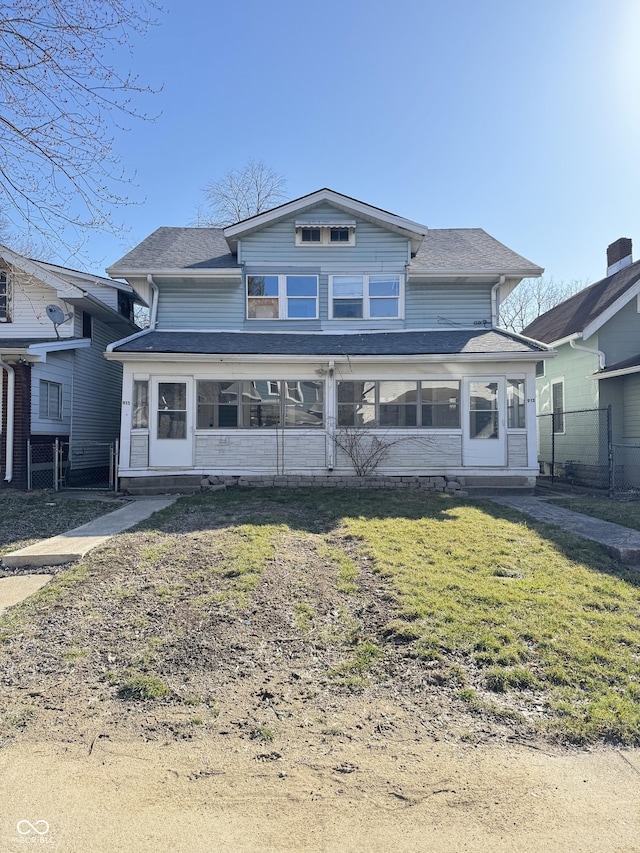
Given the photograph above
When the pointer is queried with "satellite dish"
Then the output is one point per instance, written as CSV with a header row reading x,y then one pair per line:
x,y
55,314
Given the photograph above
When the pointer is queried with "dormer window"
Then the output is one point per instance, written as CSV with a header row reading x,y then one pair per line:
x,y
326,233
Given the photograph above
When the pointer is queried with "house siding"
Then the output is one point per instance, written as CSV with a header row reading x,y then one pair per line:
x,y
437,304
29,300
200,305
632,409
619,336
96,390
376,248
58,368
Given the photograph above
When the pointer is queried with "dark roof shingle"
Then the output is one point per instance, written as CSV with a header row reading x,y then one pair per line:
x,y
449,342
576,313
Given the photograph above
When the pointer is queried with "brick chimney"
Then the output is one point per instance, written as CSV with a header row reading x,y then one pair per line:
x,y
619,255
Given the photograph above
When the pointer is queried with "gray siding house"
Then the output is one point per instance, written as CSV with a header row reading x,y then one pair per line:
x,y
55,382
297,341
596,334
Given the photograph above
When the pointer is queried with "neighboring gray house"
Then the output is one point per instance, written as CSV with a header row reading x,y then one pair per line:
x,y
276,341
596,334
55,382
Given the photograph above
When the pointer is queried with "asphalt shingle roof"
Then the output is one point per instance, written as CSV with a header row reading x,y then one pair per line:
x,y
206,248
179,248
448,342
467,249
576,313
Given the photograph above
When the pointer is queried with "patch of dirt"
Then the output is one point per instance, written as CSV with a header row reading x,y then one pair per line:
x,y
276,734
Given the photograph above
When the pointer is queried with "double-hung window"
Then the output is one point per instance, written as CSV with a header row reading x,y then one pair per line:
x,y
282,297
365,297
50,400
397,404
557,403
5,297
515,404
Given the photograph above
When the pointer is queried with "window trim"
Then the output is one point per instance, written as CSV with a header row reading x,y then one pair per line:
x,y
282,297
325,230
366,298
6,291
46,385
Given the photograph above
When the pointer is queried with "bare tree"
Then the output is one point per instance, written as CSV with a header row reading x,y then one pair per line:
x,y
60,103
366,450
533,297
241,193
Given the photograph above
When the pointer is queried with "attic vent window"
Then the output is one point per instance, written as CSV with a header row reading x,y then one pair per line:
x,y
325,233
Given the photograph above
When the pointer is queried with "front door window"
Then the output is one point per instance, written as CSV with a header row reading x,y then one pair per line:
x,y
172,410
483,410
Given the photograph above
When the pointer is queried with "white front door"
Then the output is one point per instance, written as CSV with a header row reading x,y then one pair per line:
x,y
171,427
484,422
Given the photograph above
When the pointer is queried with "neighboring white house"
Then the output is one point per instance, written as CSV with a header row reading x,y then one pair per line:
x,y
277,338
55,382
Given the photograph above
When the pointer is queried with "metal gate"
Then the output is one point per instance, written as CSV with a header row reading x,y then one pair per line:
x,y
72,465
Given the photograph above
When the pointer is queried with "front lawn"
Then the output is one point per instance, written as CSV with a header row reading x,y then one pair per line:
x,y
626,513
26,518
453,602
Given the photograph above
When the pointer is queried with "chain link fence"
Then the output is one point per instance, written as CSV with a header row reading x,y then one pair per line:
x,y
72,465
576,447
626,469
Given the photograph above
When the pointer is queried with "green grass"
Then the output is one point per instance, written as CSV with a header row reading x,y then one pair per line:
x,y
626,513
144,688
517,611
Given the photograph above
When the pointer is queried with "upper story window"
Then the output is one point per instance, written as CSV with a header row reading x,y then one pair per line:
x,y
336,234
365,297
5,297
282,297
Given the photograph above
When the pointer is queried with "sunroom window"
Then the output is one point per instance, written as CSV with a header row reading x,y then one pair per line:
x,y
282,297
259,403
396,404
366,297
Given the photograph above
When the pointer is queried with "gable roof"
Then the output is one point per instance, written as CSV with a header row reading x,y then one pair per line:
x,y
412,230
584,313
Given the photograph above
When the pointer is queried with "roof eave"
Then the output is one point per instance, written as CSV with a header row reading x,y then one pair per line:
x,y
338,358
178,272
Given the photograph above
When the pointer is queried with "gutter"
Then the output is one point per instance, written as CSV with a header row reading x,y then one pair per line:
x,y
11,394
599,353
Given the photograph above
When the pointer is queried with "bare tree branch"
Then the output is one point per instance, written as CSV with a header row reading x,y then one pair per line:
x,y
59,106
241,193
531,298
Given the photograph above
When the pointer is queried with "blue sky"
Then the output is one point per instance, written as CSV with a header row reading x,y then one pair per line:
x,y
517,117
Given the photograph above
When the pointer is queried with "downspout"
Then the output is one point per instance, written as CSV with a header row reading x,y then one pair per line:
x,y
153,314
494,301
11,393
599,353
332,421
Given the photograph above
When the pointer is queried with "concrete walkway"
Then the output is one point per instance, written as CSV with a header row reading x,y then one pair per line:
x,y
74,544
621,542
